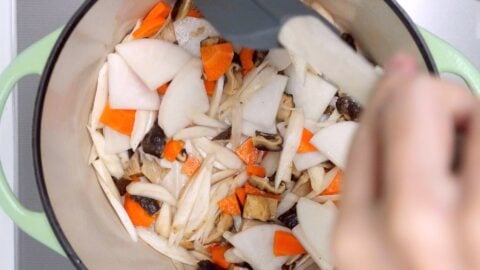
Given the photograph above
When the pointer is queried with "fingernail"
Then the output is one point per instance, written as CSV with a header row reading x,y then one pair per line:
x,y
401,64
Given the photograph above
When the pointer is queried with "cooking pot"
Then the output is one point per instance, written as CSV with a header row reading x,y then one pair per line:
x,y
78,221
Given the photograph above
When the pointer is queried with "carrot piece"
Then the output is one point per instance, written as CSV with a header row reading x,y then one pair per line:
x,y
248,152
191,165
194,13
246,59
172,149
218,255
154,20
251,190
241,195
135,178
335,186
210,87
216,60
305,145
256,170
119,120
229,205
285,244
136,213
161,90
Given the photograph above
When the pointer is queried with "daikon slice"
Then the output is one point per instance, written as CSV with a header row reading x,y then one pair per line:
x,y
314,96
279,58
115,142
144,121
191,31
101,97
307,160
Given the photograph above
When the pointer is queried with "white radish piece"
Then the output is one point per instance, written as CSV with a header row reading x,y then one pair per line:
x,y
239,180
221,175
316,175
334,141
317,222
152,191
314,96
329,55
154,61
222,154
185,98
327,179
279,58
287,202
161,245
196,132
114,198
299,65
144,121
115,142
307,160
207,121
191,31
262,107
255,245
300,235
217,97
291,141
101,97
270,163
126,90
164,221
232,257
112,162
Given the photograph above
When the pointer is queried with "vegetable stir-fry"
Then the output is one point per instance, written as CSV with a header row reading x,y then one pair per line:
x,y
217,156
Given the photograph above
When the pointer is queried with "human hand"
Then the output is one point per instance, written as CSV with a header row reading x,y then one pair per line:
x,y
403,206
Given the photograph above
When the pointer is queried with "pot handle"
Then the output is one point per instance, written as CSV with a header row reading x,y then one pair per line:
x,y
30,61
450,60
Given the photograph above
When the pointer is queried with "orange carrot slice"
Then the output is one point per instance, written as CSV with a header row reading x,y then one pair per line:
x,y
305,145
216,60
191,165
285,244
218,255
162,89
248,152
136,213
251,190
246,59
210,87
256,170
172,149
335,186
154,20
119,120
229,205
194,13
241,195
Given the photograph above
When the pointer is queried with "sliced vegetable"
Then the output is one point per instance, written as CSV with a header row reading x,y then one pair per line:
x,y
193,230
125,89
256,170
316,175
190,31
152,191
218,258
335,185
210,87
292,140
161,245
251,190
255,245
155,61
221,175
279,58
161,90
217,97
149,28
101,97
118,120
204,120
285,244
144,121
139,216
334,141
305,145
247,152
172,149
229,205
288,201
307,160
196,132
191,166
270,163
216,60
194,13
246,59
164,221
186,97
323,51
115,142
222,154
111,162
241,195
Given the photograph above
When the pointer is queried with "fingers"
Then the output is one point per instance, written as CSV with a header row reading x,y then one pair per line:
x,y
417,134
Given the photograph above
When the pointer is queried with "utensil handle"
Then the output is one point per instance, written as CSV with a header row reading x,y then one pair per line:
x,y
35,224
450,60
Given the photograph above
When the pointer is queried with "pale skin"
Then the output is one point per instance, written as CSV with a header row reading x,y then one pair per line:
x,y
403,206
